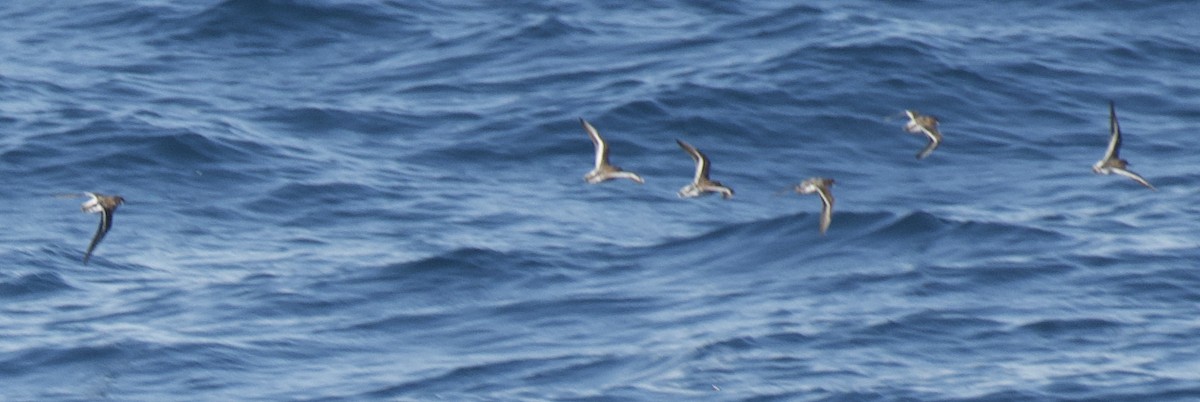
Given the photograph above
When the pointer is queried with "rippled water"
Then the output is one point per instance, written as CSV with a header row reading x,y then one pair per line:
x,y
344,200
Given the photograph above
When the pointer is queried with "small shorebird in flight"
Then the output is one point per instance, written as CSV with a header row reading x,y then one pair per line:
x,y
701,184
1112,162
603,170
105,205
924,124
821,186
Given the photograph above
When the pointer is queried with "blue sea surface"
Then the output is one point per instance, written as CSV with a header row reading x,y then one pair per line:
x,y
350,200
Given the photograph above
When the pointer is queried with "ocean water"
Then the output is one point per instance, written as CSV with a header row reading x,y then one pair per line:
x,y
362,200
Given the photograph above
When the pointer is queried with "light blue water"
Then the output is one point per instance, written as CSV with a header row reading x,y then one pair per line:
x,y
342,200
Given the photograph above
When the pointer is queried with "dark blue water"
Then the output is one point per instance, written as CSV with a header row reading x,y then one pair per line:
x,y
354,200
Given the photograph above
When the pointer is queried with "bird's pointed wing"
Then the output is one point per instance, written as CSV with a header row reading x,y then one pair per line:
x,y
933,144
1134,176
826,207
105,224
932,132
1114,141
601,146
701,160
635,177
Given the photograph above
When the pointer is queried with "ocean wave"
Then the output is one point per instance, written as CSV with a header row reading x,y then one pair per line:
x,y
932,324
35,359
488,378
790,21
1097,328
274,17
544,28
881,232
459,271
313,203
325,121
32,285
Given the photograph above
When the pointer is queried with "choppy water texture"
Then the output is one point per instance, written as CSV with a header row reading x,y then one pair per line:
x,y
348,200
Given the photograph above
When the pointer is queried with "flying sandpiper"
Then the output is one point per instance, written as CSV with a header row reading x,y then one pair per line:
x,y
105,205
1112,163
924,124
603,170
821,186
701,184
